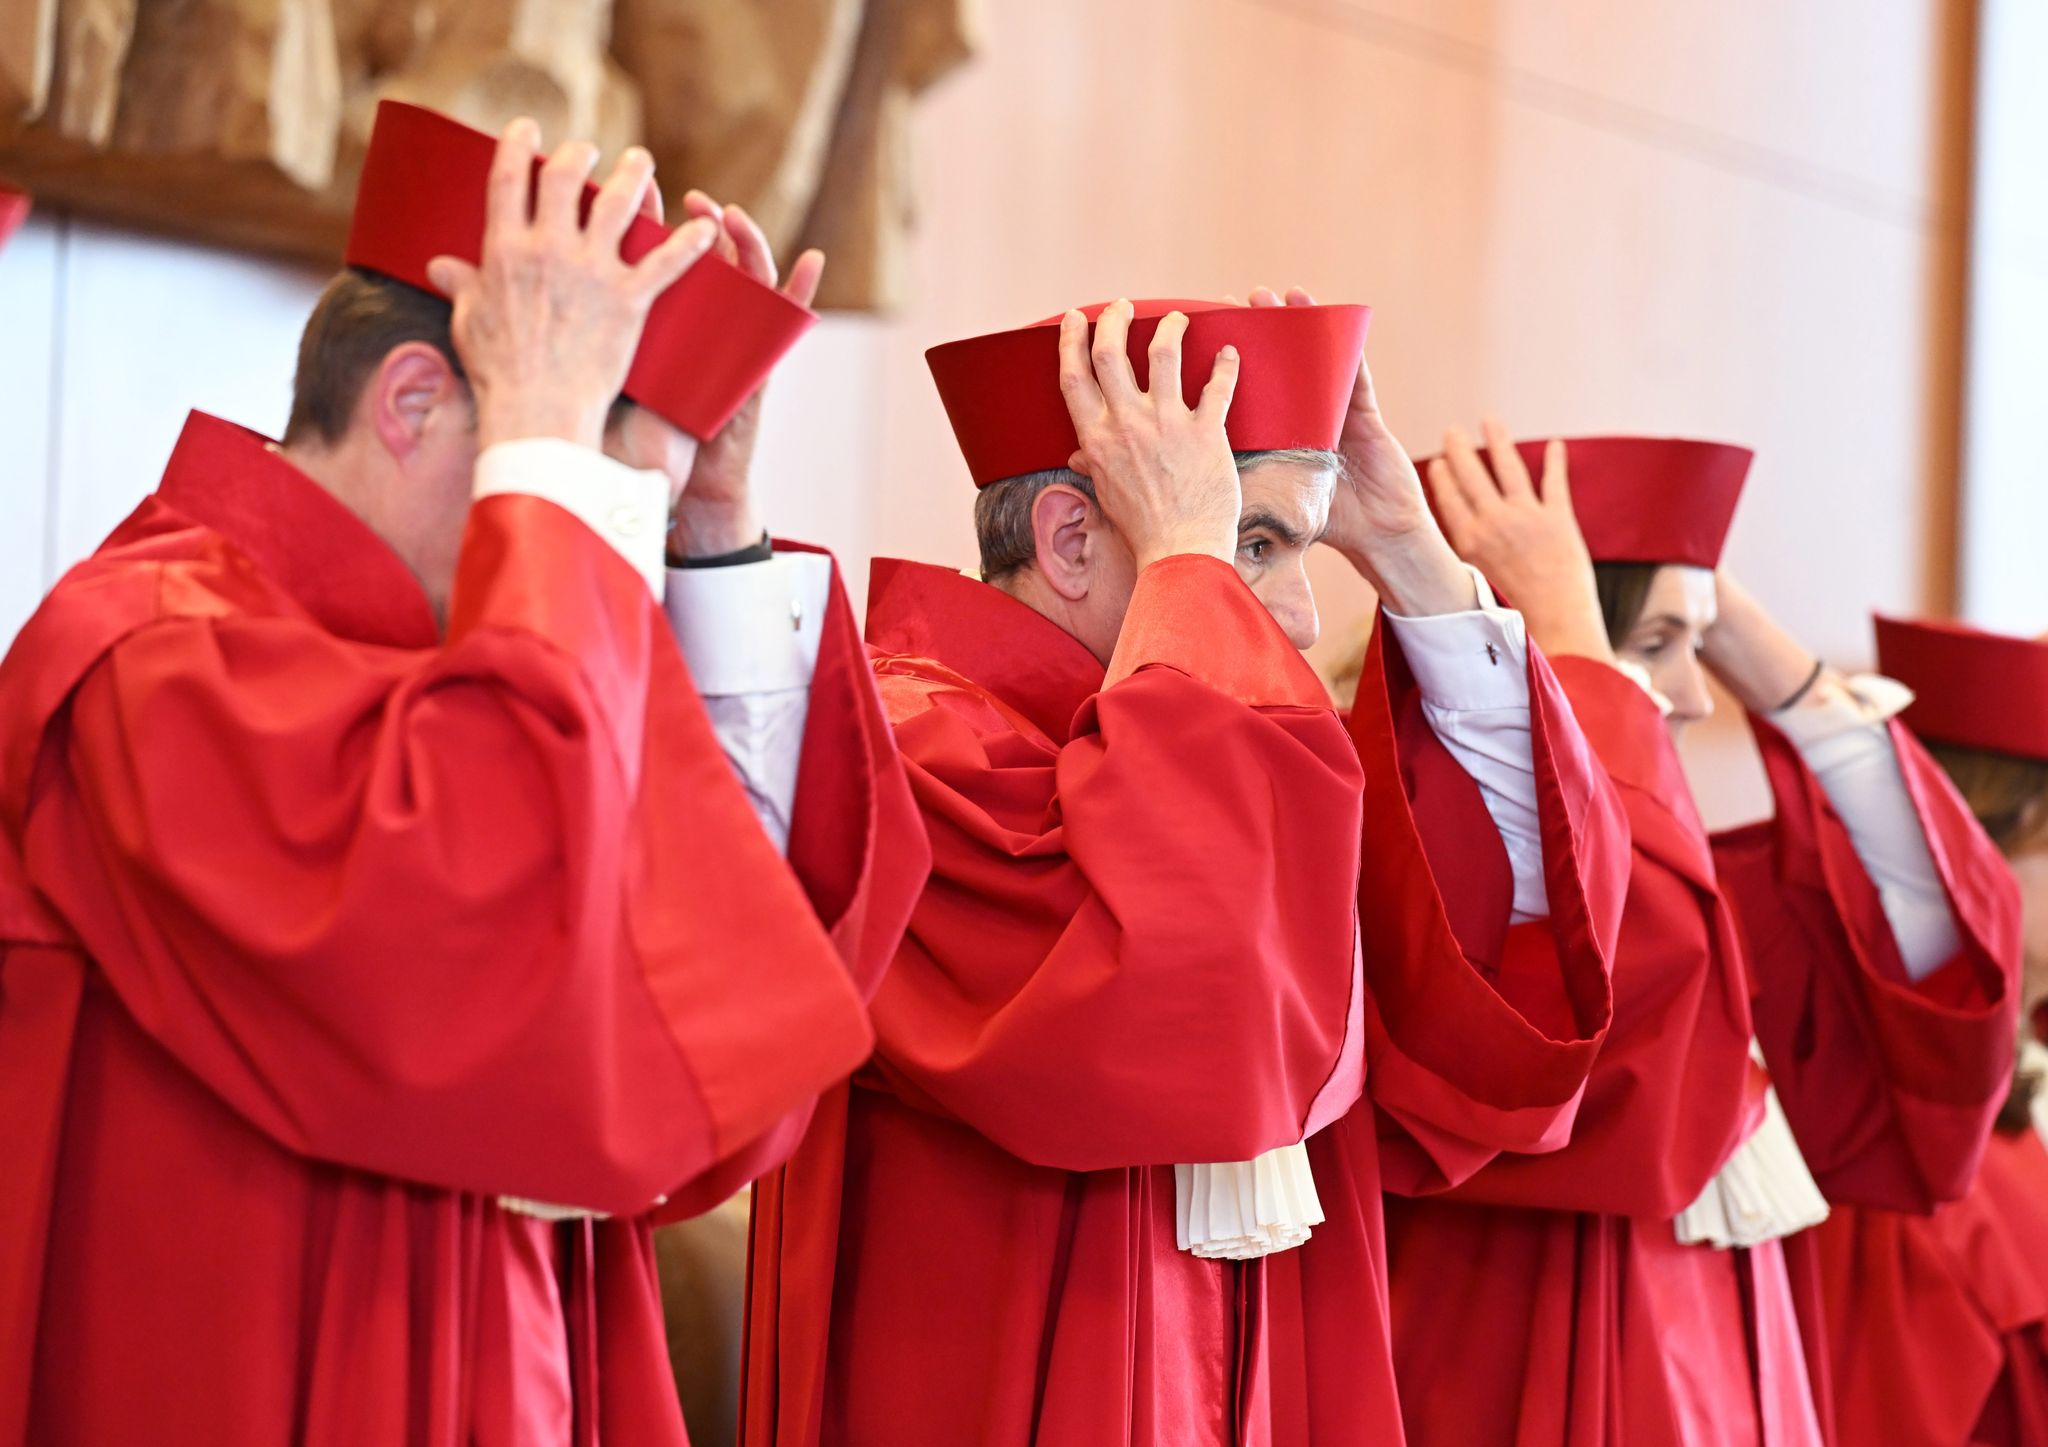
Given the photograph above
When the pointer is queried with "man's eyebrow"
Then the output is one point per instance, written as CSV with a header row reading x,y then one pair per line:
x,y
1258,519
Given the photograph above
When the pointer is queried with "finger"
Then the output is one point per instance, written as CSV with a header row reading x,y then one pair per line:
x,y
1264,296
1507,460
561,187
618,200
660,268
697,203
651,206
1557,483
1475,484
1298,296
1111,359
756,257
1214,405
451,276
1163,357
511,183
1078,463
804,277
1230,300
1362,395
1451,508
1077,374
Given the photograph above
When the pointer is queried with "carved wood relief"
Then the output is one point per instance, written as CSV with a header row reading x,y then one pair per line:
x,y
242,121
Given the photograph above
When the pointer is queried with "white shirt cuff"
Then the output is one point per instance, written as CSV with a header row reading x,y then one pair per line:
x,y
753,627
1824,725
625,506
1471,661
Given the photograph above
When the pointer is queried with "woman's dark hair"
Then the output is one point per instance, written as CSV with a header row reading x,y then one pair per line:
x,y
1624,588
2007,793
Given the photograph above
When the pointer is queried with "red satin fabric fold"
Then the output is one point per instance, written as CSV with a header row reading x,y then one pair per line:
x,y
1936,1327
1547,1303
1480,1035
1890,1085
1136,949
320,936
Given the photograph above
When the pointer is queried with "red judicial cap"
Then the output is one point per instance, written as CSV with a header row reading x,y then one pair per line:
x,y
1976,689
1298,365
710,340
14,208
1650,499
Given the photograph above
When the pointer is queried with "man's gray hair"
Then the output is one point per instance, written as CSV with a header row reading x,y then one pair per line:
x,y
1002,510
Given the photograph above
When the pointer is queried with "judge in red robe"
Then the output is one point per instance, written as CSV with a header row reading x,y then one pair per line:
x,y
1635,1287
375,892
1936,1326
1139,949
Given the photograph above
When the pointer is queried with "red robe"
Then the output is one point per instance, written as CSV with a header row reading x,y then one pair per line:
x,y
1936,1327
1137,949
1485,1033
1547,1303
319,933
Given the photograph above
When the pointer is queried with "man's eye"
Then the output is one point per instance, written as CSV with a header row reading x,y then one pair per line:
x,y
1255,549
1654,648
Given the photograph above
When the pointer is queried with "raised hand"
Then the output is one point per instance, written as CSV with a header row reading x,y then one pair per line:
x,y
715,512
1379,519
1163,472
547,323
1755,657
1525,539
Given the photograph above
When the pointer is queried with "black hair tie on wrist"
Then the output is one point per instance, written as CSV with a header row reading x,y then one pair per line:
x,y
1819,667
759,552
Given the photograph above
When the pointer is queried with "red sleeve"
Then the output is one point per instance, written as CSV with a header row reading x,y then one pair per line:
x,y
1480,1035
1890,1085
495,917
1673,1091
1136,947
857,845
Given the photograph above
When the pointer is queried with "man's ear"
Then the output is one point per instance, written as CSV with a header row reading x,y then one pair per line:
x,y
1062,537
410,385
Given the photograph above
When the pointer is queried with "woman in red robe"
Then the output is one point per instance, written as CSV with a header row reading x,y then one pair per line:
x,y
1936,1326
1636,1288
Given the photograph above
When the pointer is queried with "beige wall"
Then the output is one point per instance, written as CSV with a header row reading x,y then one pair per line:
x,y
1739,220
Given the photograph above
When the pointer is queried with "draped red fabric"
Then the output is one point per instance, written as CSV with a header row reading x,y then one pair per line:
x,y
1890,1085
1547,1301
1480,1035
1936,1327
1919,1329
318,933
1136,948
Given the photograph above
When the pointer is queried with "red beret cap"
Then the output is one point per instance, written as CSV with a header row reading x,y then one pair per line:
x,y
1298,366
710,340
1649,499
1975,689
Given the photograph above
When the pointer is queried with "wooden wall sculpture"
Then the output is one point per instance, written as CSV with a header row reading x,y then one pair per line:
x,y
242,121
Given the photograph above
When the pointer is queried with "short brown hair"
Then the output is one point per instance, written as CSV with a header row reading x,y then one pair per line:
x,y
358,320
1002,510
